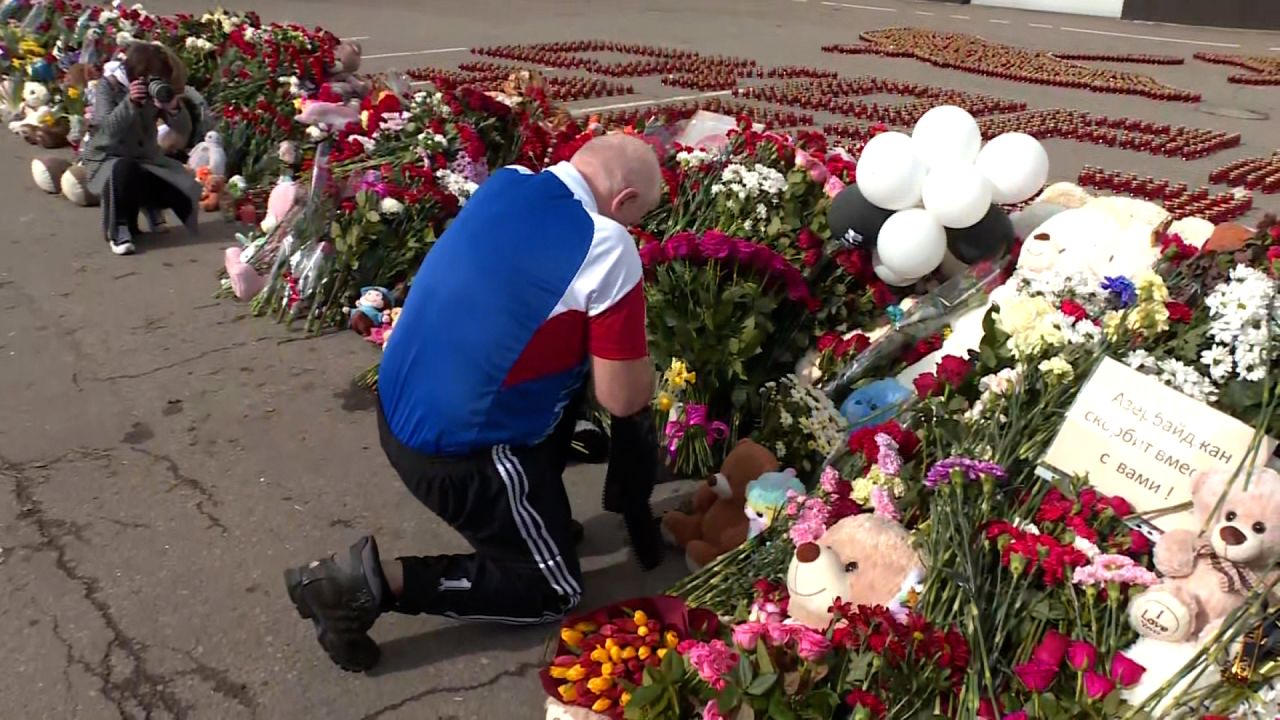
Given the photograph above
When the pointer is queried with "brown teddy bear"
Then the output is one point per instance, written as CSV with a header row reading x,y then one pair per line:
x,y
718,522
342,77
1207,576
863,560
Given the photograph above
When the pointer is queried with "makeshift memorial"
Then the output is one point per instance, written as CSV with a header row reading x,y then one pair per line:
x,y
1263,69
1140,58
1255,173
1126,133
1176,199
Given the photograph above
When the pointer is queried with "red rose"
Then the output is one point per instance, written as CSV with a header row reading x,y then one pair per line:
x,y
1178,312
1073,310
927,385
953,370
1051,650
828,341
1035,675
1119,506
863,699
1139,544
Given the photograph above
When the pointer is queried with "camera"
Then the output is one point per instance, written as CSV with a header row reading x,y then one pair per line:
x,y
160,90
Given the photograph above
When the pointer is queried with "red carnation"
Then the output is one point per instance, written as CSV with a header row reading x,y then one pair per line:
x,y
1073,310
1178,312
863,699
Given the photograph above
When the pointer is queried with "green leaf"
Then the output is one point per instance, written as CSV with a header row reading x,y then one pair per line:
x,y
673,665
1111,705
646,694
762,684
780,709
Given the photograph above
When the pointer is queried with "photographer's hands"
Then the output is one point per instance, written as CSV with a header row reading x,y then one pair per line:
x,y
138,93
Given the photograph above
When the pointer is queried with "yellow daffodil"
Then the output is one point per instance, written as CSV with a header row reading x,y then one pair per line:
x,y
601,705
73,92
665,402
678,375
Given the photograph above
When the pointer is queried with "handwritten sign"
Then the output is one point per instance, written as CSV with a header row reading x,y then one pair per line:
x,y
1135,437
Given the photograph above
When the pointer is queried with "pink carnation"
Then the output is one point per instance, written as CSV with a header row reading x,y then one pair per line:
x,y
882,503
712,660
828,481
1113,569
811,523
889,460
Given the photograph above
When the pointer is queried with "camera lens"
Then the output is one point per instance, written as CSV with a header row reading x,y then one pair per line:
x,y
160,90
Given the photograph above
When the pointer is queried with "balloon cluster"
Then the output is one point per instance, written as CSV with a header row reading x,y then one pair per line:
x,y
936,191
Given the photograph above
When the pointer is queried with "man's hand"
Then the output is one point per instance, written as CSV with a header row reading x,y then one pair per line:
x,y
138,91
623,387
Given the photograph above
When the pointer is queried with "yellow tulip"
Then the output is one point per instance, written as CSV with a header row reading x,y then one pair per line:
x,y
606,669
626,698
601,705
644,653
662,653
576,673
572,638
584,626
558,673
600,684
615,654
568,692
629,653
642,630
641,618
600,655
610,643
671,639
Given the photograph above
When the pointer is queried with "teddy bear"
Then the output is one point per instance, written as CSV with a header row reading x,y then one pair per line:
x,y
1207,576
863,559
718,521
767,497
342,78
47,173
34,112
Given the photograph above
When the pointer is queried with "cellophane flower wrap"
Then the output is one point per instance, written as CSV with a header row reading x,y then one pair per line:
x,y
602,657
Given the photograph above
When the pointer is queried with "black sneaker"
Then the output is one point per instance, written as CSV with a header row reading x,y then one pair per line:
x,y
343,599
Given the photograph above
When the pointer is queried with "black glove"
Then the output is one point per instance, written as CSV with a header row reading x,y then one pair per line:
x,y
628,485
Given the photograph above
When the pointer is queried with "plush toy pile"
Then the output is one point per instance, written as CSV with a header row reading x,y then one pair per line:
x,y
867,374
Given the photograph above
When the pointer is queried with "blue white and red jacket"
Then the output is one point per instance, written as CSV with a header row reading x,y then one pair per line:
x,y
526,284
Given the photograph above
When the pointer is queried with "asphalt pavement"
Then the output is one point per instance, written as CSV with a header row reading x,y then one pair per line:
x,y
164,455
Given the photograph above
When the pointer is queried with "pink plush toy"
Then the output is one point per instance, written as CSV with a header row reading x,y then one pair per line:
x,y
1207,576
245,281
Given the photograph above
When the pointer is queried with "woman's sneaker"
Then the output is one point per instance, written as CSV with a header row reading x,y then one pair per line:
x,y
122,241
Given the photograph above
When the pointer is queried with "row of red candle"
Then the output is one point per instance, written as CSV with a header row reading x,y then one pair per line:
x,y
563,89
1264,70
587,46
972,54
708,81
1256,173
1140,58
1176,198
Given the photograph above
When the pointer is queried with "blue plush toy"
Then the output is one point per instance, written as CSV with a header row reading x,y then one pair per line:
x,y
767,496
874,403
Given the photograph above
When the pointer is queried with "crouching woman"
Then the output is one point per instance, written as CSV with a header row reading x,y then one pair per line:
x,y
125,164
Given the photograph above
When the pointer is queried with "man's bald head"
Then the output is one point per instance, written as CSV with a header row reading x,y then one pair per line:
x,y
623,174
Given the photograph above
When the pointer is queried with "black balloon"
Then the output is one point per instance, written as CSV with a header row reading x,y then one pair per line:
x,y
854,220
989,238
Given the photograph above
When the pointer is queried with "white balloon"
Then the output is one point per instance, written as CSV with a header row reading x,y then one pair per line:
x,y
1016,165
890,175
957,195
912,243
946,134
887,275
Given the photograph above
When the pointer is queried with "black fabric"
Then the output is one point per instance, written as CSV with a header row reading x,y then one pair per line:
x,y
131,188
628,486
510,504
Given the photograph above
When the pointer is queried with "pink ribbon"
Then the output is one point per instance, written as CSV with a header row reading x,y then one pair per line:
x,y
694,416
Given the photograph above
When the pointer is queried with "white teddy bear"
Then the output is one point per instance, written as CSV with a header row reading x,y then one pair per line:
x,y
35,106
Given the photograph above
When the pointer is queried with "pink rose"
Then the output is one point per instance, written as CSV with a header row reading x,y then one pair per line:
x,y
712,711
818,173
833,186
1124,671
779,634
681,245
747,634
1051,649
812,645
1097,686
715,245
1035,675
1019,715
803,159
1081,655
652,254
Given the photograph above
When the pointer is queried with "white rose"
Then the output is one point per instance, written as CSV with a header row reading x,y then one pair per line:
x,y
390,206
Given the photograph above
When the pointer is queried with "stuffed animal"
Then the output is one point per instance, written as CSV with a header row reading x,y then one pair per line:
x,y
371,310
1208,576
47,172
863,560
208,153
281,200
1163,660
210,188
767,497
342,73
875,403
35,101
718,522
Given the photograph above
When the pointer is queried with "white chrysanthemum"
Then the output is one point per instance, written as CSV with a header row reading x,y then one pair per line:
x,y
1140,360
457,184
1187,380
1242,323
